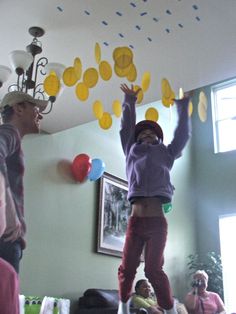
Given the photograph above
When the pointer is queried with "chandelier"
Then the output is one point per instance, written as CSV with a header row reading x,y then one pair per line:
x,y
27,69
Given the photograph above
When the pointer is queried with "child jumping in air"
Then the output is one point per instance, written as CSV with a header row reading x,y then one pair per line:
x,y
148,165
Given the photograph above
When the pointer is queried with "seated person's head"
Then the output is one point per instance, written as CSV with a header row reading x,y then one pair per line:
x,y
143,288
200,278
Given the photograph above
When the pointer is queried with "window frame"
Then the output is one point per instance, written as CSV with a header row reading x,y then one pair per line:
x,y
214,108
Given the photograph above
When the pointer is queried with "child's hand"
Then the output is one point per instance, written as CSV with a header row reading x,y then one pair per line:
x,y
129,91
187,95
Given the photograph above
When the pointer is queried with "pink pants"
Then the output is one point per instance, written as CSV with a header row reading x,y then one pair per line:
x,y
149,233
9,289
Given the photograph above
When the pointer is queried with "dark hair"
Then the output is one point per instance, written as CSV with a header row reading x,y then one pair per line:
x,y
138,284
148,124
8,112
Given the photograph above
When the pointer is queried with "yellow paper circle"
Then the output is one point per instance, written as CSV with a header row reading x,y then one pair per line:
x,y
140,94
146,81
190,108
203,99
52,72
152,114
106,121
168,101
51,85
90,77
98,109
116,107
105,70
97,53
165,88
165,101
78,68
69,76
202,113
172,97
132,75
123,56
121,72
82,91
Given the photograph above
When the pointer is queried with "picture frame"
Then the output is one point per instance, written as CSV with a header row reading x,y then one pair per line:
x,y
113,215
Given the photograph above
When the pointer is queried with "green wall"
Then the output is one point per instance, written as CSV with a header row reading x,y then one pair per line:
x,y
215,180
60,259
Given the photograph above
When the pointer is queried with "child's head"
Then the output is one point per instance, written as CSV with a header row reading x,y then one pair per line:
x,y
148,131
143,288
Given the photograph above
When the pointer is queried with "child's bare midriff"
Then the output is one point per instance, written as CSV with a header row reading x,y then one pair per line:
x,y
147,207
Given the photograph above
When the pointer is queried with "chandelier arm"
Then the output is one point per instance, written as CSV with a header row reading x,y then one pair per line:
x,y
41,63
19,87
39,92
49,110
22,85
29,84
14,86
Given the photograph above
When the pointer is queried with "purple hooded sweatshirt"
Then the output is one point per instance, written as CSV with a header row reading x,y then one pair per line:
x,y
148,165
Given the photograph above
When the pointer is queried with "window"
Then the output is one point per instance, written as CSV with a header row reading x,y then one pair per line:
x,y
223,99
228,254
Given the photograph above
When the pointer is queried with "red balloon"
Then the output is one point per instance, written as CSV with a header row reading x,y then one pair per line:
x,y
81,166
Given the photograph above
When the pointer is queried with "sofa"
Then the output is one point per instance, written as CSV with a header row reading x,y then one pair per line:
x,y
100,301
105,301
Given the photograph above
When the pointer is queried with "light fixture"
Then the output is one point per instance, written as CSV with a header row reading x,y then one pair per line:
x,y
27,70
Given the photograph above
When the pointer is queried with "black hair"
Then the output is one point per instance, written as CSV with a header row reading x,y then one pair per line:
x,y
138,284
8,112
148,124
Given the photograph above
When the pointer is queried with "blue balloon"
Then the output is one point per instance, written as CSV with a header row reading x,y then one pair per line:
x,y
97,169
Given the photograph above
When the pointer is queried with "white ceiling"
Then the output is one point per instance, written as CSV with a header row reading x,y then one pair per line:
x,y
191,42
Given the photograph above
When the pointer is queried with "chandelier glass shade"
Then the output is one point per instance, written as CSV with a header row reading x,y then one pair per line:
x,y
57,68
20,60
5,73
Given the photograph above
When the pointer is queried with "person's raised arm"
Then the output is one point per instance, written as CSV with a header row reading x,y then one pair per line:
x,y
191,299
128,118
183,129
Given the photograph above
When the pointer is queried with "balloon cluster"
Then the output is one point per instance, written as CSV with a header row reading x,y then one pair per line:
x,y
83,167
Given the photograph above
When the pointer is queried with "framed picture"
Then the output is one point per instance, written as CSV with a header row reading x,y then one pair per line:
x,y
113,214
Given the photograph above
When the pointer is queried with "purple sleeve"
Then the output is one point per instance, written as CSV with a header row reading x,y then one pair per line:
x,y
183,130
128,121
9,143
